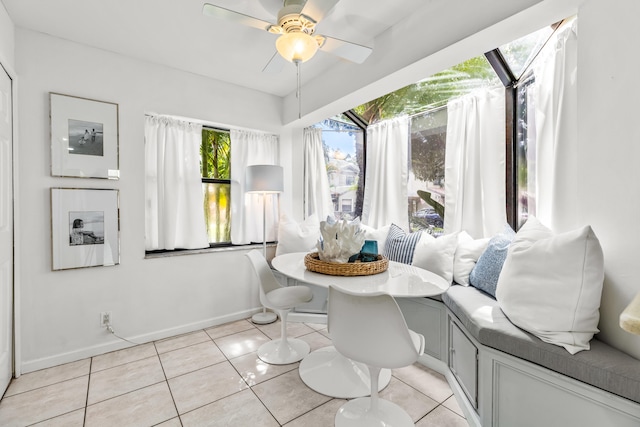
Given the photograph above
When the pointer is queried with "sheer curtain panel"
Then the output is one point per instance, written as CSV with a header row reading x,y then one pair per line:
x,y
317,195
385,192
251,148
475,197
174,207
556,106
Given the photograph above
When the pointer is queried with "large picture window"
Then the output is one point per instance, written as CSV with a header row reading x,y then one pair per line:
x,y
425,102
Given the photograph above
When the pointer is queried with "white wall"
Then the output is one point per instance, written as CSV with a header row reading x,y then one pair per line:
x,y
7,31
149,298
609,177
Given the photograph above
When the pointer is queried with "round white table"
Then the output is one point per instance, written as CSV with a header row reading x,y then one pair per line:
x,y
327,371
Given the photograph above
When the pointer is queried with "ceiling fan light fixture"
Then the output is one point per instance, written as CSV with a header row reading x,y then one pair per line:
x,y
296,46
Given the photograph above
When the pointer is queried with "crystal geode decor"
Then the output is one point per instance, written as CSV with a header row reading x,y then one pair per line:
x,y
339,241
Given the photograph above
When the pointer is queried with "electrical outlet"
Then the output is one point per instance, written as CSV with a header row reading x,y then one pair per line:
x,y
105,319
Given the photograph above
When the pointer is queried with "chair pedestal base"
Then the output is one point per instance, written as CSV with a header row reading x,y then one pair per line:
x,y
274,353
357,413
330,373
264,317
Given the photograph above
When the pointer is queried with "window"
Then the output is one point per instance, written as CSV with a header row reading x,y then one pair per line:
x,y
343,143
519,56
215,165
525,150
426,102
426,174
520,53
432,92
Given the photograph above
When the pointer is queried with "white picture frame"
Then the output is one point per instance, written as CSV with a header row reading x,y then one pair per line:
x,y
85,228
84,137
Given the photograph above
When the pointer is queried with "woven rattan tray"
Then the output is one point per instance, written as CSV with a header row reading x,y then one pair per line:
x,y
313,263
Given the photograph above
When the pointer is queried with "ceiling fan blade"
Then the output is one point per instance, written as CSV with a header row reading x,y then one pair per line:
x,y
230,15
275,64
350,51
317,9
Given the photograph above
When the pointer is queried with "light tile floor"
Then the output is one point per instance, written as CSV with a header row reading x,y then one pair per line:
x,y
210,377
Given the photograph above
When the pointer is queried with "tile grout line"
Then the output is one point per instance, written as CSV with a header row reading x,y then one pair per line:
x,y
86,402
310,410
228,360
419,391
166,380
57,415
250,387
204,367
151,343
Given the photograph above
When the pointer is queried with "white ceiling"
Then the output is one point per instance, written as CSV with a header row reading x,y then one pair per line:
x,y
175,33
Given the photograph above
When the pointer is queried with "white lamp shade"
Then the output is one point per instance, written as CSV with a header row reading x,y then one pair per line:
x,y
264,179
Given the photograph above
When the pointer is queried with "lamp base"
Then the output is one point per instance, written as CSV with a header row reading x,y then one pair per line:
x,y
264,317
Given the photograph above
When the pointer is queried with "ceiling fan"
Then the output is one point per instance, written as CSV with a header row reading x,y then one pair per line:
x,y
296,26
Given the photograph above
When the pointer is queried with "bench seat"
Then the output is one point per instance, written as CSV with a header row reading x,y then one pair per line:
x,y
602,366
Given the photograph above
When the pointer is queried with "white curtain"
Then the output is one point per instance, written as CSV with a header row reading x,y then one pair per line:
x,y
174,207
317,195
475,197
556,106
385,193
251,148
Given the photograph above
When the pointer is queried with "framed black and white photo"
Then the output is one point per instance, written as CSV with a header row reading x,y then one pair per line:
x,y
84,137
85,228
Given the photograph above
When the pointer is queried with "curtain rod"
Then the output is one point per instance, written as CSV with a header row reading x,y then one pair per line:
x,y
224,128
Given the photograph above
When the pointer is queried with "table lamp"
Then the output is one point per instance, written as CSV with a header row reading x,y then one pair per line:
x,y
264,179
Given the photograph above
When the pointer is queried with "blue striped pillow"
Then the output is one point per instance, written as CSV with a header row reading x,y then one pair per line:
x,y
399,245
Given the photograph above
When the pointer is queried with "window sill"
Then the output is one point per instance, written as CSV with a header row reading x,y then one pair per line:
x,y
230,248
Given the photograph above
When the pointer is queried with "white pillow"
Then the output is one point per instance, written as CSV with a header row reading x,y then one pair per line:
x,y
466,256
379,235
297,237
436,255
551,284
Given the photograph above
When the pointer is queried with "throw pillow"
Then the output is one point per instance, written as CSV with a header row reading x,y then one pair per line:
x,y
379,235
486,272
466,256
399,245
551,284
297,237
436,254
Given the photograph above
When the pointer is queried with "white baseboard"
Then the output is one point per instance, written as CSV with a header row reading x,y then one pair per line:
x,y
113,343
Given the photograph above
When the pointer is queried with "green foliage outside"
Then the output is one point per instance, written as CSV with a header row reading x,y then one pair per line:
x,y
215,153
431,92
428,142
